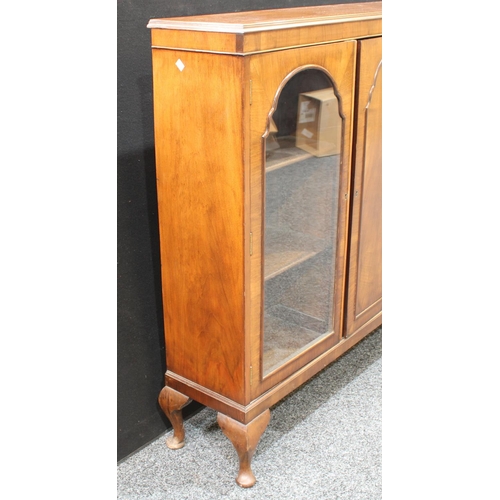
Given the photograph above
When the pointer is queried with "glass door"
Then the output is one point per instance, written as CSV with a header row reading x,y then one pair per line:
x,y
302,164
300,131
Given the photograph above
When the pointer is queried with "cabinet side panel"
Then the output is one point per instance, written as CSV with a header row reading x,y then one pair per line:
x,y
199,158
365,269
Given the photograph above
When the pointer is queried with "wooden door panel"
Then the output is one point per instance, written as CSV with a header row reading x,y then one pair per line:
x,y
365,255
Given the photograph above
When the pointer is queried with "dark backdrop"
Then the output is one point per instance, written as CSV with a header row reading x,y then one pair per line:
x,y
141,349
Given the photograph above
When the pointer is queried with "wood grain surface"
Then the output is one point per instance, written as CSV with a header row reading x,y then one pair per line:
x,y
199,158
252,32
365,258
272,19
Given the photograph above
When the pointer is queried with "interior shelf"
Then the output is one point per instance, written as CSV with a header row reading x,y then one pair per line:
x,y
287,154
285,249
285,340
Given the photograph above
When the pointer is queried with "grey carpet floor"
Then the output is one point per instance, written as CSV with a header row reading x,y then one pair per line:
x,y
324,441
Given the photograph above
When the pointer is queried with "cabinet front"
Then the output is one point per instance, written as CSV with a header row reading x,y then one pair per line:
x,y
300,125
364,297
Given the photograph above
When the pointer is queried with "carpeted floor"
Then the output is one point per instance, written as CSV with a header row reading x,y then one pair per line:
x,y
324,441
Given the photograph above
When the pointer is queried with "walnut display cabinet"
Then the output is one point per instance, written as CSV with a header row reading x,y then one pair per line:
x,y
269,157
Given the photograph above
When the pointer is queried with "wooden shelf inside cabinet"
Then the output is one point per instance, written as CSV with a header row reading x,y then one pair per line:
x,y
287,248
285,339
287,154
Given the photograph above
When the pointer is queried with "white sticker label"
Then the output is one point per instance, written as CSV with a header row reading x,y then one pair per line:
x,y
307,133
179,64
306,114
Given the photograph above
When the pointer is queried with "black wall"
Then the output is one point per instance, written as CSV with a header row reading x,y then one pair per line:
x,y
141,349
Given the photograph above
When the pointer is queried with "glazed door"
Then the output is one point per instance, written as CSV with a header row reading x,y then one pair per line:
x,y
301,133
364,303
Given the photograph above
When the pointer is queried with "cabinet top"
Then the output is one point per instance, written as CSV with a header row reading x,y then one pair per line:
x,y
242,33
263,20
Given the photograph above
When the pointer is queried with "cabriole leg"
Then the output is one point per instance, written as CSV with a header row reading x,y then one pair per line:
x,y
171,403
245,439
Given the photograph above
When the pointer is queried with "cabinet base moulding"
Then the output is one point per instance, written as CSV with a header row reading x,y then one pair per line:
x,y
246,413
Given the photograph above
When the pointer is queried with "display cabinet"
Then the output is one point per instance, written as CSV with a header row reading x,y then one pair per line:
x,y
268,154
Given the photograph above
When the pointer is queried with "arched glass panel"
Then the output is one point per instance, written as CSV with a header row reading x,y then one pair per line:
x,y
302,167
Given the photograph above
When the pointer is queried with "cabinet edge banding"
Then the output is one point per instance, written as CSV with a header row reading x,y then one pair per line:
x,y
277,49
